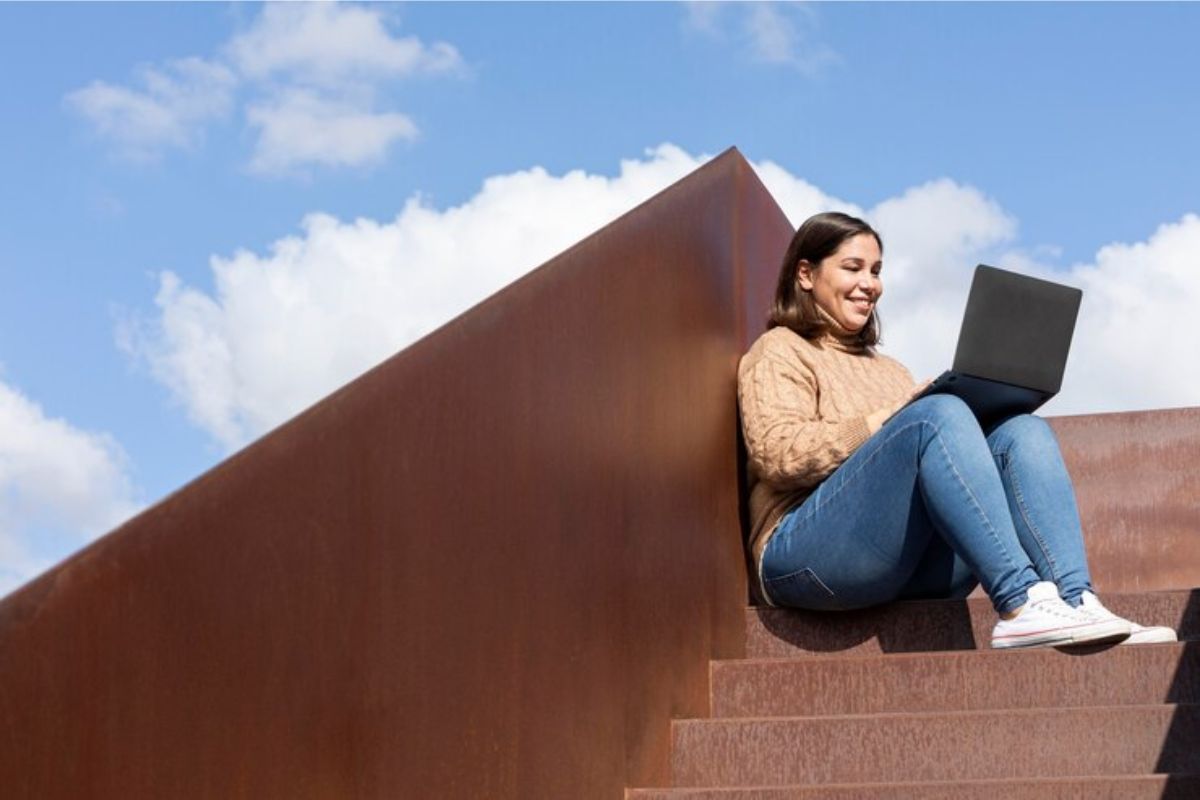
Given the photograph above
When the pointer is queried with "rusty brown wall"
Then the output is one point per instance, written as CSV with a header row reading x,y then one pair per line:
x,y
1138,487
492,567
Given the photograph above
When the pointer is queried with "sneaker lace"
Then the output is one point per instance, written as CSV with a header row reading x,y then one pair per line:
x,y
1057,607
1090,604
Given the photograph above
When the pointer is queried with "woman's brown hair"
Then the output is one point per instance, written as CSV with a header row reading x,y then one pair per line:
x,y
818,238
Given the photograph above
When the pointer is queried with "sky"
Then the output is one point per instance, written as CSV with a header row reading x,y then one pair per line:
x,y
213,215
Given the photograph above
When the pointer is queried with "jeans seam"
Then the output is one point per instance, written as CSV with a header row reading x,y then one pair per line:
x,y
974,501
797,572
1033,529
823,501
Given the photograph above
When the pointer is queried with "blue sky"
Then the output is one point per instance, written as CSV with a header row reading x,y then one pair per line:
x,y
1034,135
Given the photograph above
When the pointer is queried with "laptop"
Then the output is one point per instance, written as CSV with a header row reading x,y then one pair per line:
x,y
1013,345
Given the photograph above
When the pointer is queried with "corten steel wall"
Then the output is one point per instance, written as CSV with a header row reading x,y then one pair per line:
x,y
1138,488
492,567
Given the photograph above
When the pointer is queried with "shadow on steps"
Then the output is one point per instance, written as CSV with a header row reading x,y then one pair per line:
x,y
931,625
1182,740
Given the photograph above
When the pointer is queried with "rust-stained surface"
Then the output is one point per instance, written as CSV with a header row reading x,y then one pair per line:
x,y
1137,484
493,567
973,745
917,626
1108,787
957,681
1137,481
498,564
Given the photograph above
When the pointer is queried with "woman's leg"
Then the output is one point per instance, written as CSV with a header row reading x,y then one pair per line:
x,y
861,536
1042,502
1046,516
940,575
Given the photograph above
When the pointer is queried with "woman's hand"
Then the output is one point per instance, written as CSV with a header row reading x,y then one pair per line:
x,y
876,419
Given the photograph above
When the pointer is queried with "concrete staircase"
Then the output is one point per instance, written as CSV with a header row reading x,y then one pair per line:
x,y
907,701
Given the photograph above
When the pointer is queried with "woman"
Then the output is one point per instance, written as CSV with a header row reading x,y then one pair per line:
x,y
859,496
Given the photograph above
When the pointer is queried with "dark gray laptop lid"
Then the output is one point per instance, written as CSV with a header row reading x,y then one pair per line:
x,y
1017,329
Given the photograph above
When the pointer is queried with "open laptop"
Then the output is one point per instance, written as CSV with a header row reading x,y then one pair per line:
x,y
1013,345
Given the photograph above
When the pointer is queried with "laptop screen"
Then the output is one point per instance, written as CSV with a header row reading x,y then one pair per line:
x,y
1017,329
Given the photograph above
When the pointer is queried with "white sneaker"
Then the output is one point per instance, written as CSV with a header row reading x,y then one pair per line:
x,y
1046,621
1139,634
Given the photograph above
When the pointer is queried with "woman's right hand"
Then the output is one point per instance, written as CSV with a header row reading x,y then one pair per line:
x,y
876,419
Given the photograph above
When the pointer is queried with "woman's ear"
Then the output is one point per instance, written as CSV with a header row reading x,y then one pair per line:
x,y
804,275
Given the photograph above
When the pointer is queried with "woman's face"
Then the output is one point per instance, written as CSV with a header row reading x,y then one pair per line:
x,y
846,284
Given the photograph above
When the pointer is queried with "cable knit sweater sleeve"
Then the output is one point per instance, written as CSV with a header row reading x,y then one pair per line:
x,y
790,446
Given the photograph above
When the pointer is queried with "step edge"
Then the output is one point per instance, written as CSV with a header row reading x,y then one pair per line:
x,y
981,712
974,652
1050,781
970,601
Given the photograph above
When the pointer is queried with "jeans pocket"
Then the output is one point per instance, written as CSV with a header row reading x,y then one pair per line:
x,y
801,589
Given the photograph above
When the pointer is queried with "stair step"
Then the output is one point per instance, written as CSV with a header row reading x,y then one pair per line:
x,y
964,680
1109,787
943,746
930,625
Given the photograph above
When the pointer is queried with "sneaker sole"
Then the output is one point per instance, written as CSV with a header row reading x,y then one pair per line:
x,y
1155,635
1084,634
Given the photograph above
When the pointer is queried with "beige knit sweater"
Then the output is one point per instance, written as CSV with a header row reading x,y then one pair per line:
x,y
804,406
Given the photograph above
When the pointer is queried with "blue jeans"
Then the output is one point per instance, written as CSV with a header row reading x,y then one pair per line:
x,y
929,506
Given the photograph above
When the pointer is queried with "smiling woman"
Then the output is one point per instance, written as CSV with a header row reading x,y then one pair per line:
x,y
836,275
860,495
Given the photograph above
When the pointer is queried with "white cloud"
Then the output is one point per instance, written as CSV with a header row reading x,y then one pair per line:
x,y
783,34
56,481
311,78
298,127
319,68
1134,345
1136,341
798,198
328,44
169,110
283,328
934,235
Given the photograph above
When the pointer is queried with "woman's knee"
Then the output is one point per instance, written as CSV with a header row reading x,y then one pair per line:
x,y
1025,431
943,411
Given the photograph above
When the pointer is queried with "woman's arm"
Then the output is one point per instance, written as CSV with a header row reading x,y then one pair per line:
x,y
876,419
788,445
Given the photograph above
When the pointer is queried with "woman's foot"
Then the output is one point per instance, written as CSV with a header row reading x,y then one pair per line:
x,y
1139,634
1046,621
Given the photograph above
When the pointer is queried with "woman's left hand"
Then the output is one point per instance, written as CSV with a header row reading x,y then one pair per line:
x,y
875,420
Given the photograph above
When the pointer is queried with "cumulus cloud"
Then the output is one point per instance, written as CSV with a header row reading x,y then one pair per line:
x,y
282,328
783,34
299,127
57,482
318,69
1136,341
168,110
311,79
328,44
1134,345
935,234
798,198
